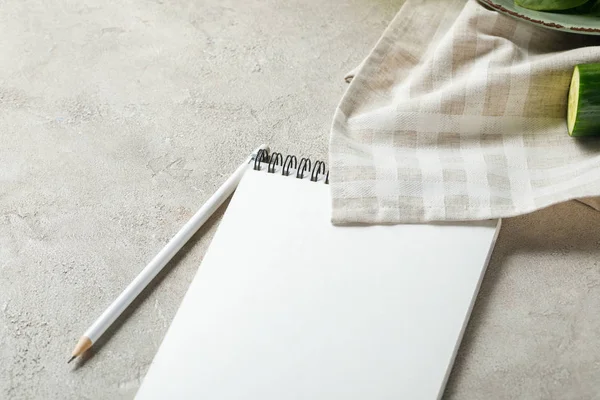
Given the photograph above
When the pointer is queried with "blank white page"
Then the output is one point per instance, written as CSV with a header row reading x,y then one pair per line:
x,y
287,306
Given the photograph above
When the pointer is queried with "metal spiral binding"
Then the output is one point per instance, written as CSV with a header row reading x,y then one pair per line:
x,y
305,166
319,168
276,159
290,162
261,156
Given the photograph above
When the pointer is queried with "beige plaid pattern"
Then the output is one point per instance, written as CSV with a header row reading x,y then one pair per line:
x,y
459,113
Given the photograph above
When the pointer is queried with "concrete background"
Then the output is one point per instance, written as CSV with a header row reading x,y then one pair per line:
x,y
119,118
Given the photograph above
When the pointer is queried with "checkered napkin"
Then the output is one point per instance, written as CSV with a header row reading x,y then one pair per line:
x,y
459,113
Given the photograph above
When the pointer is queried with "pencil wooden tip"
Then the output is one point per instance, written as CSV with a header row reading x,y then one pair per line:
x,y
83,344
71,359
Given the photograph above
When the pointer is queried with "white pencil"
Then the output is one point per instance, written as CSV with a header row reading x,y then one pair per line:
x,y
160,260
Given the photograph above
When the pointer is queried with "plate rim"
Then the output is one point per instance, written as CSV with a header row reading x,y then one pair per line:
x,y
547,24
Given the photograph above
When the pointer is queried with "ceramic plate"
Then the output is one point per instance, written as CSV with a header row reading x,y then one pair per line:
x,y
586,24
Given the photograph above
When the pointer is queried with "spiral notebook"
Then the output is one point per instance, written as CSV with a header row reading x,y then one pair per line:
x,y
287,306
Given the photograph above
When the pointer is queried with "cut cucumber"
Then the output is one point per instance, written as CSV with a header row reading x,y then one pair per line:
x,y
583,115
549,5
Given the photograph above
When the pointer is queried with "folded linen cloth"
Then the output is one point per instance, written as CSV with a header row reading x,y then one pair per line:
x,y
459,113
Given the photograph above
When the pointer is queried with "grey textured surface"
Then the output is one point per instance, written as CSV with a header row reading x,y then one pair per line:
x,y
118,119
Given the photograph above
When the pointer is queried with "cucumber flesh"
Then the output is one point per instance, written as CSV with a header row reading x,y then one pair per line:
x,y
573,101
550,5
583,114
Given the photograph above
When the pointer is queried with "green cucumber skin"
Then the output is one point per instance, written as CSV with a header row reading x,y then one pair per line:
x,y
550,5
588,110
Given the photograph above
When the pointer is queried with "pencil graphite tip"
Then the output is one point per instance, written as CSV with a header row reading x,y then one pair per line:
x,y
71,359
